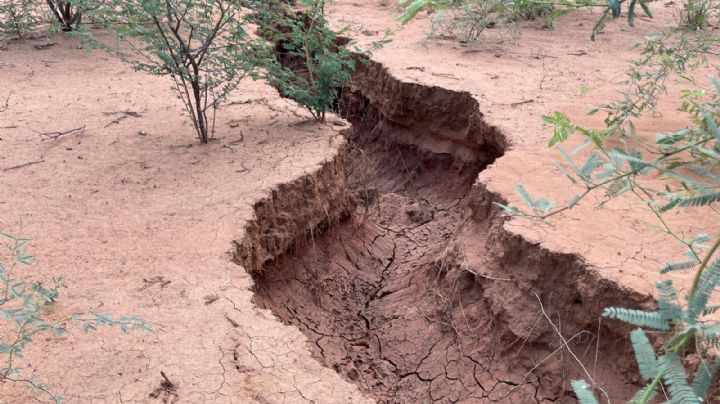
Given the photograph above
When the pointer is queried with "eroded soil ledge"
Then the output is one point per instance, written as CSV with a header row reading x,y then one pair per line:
x,y
393,262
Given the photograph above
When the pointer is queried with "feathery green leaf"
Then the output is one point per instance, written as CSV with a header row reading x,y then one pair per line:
x,y
678,266
583,392
708,280
644,354
704,377
668,304
676,380
651,319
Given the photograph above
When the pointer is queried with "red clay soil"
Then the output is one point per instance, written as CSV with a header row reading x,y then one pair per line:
x,y
389,296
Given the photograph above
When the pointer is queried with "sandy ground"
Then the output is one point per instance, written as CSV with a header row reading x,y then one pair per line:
x,y
517,77
138,219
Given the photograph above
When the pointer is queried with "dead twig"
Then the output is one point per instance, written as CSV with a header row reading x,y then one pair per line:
x,y
167,390
241,102
45,45
567,346
7,103
515,104
446,75
244,169
540,55
29,163
55,135
210,299
125,115
237,141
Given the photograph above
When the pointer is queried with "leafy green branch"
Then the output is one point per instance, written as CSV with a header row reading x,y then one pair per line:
x,y
312,62
678,170
23,305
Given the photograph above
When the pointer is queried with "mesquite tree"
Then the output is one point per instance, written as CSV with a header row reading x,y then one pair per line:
x,y
314,62
202,45
67,12
17,17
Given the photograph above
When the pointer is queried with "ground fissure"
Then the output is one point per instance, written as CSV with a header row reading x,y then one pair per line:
x,y
389,293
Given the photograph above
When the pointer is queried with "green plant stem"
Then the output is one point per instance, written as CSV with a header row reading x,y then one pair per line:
x,y
20,336
569,4
588,189
651,387
592,187
36,386
683,342
665,225
6,291
703,265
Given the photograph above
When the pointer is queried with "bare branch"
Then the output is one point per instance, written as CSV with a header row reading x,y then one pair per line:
x,y
55,135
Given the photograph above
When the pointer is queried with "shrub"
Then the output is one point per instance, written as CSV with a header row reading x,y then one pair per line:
x,y
68,13
471,17
313,62
17,17
687,162
694,14
23,307
202,46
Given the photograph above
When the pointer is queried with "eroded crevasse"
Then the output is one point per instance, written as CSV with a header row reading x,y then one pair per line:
x,y
406,285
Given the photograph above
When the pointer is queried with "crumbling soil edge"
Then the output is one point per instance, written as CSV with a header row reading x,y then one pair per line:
x,y
517,279
292,211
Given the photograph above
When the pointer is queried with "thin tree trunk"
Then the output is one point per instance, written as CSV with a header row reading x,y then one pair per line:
x,y
202,125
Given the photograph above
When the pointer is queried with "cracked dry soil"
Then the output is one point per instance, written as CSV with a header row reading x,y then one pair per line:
x,y
382,259
369,293
377,293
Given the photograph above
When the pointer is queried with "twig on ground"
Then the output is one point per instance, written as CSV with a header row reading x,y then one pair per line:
x,y
244,169
125,114
44,45
29,163
55,135
446,75
515,104
241,102
7,103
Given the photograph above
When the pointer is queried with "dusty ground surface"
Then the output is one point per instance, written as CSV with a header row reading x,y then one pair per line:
x,y
142,223
139,223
